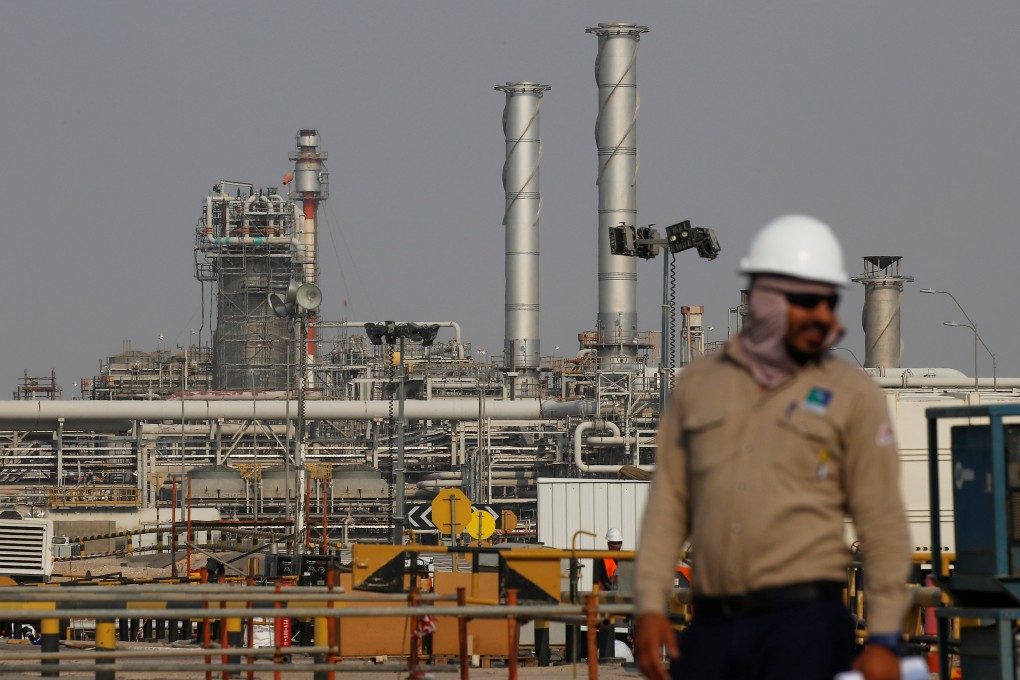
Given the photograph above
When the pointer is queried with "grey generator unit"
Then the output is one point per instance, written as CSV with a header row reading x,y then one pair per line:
x,y
25,547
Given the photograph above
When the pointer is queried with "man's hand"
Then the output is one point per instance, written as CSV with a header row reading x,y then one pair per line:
x,y
654,631
877,663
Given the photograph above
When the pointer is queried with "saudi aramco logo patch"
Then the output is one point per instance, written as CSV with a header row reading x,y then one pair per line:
x,y
817,400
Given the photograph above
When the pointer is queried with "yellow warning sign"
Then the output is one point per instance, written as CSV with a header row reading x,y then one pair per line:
x,y
451,511
481,525
507,521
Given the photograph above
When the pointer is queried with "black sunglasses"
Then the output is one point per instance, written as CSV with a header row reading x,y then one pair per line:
x,y
807,300
812,300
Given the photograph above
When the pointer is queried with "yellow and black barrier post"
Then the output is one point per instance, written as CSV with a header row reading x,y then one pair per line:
x,y
321,640
235,637
106,641
50,629
542,641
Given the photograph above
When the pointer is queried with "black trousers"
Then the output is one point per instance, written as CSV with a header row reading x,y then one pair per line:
x,y
811,641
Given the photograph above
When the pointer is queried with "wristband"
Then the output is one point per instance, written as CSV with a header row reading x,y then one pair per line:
x,y
891,641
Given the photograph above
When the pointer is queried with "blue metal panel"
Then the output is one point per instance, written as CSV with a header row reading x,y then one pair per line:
x,y
973,500
986,576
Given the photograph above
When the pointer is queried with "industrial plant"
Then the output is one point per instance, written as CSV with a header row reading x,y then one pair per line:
x,y
335,430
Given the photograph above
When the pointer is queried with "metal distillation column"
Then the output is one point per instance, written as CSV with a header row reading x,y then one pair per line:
x,y
521,344
616,139
311,183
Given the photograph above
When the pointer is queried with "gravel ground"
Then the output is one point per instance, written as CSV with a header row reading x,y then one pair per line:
x,y
130,566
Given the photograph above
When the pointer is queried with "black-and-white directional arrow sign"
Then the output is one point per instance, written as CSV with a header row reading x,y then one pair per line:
x,y
420,517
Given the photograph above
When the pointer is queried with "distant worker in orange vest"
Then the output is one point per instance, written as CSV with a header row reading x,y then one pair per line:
x,y
605,577
605,569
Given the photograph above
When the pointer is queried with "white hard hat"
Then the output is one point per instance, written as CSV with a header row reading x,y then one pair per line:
x,y
797,246
614,536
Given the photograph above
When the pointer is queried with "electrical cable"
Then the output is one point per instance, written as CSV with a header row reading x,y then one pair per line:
x,y
391,376
672,319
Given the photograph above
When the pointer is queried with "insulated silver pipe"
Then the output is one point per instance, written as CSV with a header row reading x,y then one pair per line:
x,y
908,381
616,139
616,439
521,347
46,414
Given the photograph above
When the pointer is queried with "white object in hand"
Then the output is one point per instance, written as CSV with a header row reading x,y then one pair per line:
x,y
911,668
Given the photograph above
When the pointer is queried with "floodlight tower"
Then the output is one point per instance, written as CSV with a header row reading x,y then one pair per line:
x,y
302,301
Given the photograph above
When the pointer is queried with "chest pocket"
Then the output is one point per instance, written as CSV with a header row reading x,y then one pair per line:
x,y
704,437
811,447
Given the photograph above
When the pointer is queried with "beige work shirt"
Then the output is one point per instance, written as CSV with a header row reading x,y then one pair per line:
x,y
761,480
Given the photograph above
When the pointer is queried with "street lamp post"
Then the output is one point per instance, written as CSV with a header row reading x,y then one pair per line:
x,y
971,325
977,338
850,352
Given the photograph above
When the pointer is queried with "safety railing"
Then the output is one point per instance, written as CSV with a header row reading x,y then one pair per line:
x,y
234,609
227,614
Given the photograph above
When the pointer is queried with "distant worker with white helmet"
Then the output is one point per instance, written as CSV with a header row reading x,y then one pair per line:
x,y
605,568
764,448
606,578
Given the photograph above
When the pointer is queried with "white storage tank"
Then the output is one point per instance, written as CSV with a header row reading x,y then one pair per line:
x,y
358,481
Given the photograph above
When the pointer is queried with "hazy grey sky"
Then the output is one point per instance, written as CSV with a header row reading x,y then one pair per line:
x,y
894,121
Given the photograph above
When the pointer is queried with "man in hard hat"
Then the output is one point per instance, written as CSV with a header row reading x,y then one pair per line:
x,y
605,568
765,447
605,577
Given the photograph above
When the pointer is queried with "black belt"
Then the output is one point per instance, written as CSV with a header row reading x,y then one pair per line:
x,y
768,599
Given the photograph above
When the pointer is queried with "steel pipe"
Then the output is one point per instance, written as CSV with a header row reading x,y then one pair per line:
x,y
15,414
579,441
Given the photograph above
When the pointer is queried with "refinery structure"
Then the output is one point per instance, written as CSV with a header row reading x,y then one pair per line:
x,y
310,425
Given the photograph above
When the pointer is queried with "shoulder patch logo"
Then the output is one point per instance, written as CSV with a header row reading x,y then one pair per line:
x,y
885,436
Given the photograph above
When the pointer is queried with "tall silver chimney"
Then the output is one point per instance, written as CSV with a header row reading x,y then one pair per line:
x,y
521,347
311,183
616,139
883,294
